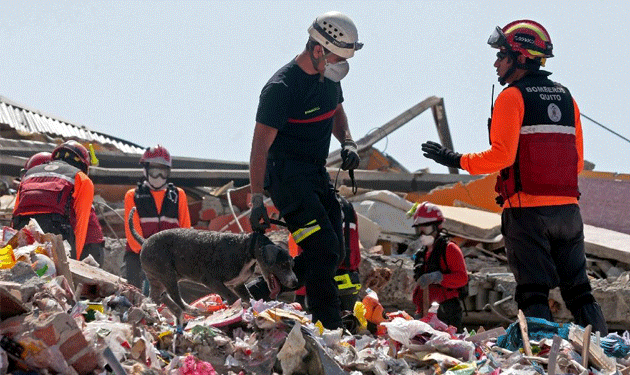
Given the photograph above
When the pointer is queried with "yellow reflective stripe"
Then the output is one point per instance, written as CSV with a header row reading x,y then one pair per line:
x,y
344,282
302,233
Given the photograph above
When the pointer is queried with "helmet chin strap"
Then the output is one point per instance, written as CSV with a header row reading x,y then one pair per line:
x,y
516,65
514,59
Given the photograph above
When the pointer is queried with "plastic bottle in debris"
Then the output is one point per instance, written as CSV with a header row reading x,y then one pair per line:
x,y
374,313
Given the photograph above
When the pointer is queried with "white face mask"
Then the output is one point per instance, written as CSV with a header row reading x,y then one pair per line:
x,y
156,177
426,240
156,183
337,71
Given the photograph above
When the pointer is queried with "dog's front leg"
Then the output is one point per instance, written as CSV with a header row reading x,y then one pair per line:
x,y
242,292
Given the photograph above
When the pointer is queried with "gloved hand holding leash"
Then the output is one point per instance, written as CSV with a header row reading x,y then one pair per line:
x,y
258,214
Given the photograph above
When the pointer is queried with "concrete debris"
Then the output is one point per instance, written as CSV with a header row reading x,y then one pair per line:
x,y
104,325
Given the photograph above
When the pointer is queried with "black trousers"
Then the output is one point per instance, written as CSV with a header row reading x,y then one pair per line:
x,y
132,269
307,201
545,249
451,312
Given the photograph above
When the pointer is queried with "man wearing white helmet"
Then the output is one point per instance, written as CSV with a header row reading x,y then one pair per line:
x,y
300,108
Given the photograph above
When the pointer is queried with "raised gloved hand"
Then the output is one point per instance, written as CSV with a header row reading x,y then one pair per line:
x,y
441,155
349,155
258,213
427,279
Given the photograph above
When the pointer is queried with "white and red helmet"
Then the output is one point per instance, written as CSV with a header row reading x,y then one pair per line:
x,y
426,214
157,155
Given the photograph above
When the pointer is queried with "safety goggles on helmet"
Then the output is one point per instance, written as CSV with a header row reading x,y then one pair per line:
x,y
498,39
157,171
353,46
425,229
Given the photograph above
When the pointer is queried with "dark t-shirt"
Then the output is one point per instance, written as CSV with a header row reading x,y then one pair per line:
x,y
301,108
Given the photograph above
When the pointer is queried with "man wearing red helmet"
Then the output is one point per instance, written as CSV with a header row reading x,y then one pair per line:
x,y
159,206
536,138
438,265
57,194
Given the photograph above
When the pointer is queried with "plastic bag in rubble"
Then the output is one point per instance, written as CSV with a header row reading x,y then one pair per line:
x,y
615,345
464,350
403,330
189,365
293,351
538,329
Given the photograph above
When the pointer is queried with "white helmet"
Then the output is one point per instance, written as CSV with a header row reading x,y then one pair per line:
x,y
336,32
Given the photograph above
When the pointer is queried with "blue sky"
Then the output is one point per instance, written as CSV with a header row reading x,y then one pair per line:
x,y
188,74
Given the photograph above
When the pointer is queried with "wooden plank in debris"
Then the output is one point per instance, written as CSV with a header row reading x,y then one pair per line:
x,y
425,301
595,353
553,355
586,340
486,335
522,322
59,257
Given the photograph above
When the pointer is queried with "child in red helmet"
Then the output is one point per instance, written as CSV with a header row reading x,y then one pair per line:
x,y
439,265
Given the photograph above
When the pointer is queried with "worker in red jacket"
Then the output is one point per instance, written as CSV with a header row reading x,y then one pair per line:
x,y
439,266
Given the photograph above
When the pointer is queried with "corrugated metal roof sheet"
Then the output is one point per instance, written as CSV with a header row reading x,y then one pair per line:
x,y
27,121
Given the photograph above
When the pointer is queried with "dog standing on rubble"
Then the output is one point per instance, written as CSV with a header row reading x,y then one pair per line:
x,y
223,262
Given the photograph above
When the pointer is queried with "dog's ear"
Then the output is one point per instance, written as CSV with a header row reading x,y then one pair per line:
x,y
271,252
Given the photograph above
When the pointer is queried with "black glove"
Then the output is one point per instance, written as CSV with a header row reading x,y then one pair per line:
x,y
258,213
441,155
349,155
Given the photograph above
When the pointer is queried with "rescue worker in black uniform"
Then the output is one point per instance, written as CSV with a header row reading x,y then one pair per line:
x,y
300,107
536,138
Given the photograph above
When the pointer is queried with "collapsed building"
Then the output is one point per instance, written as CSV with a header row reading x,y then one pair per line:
x,y
218,200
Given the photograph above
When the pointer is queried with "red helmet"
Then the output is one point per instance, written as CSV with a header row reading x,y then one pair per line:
x,y
157,154
523,36
427,213
74,153
37,159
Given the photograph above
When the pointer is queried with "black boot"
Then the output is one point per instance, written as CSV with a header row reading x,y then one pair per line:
x,y
591,314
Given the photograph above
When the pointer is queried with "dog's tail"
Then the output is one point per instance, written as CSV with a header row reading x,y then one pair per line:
x,y
132,229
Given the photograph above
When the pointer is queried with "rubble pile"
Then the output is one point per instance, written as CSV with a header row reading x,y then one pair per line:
x,y
69,317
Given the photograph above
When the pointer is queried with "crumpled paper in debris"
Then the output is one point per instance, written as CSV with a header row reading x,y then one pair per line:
x,y
293,351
